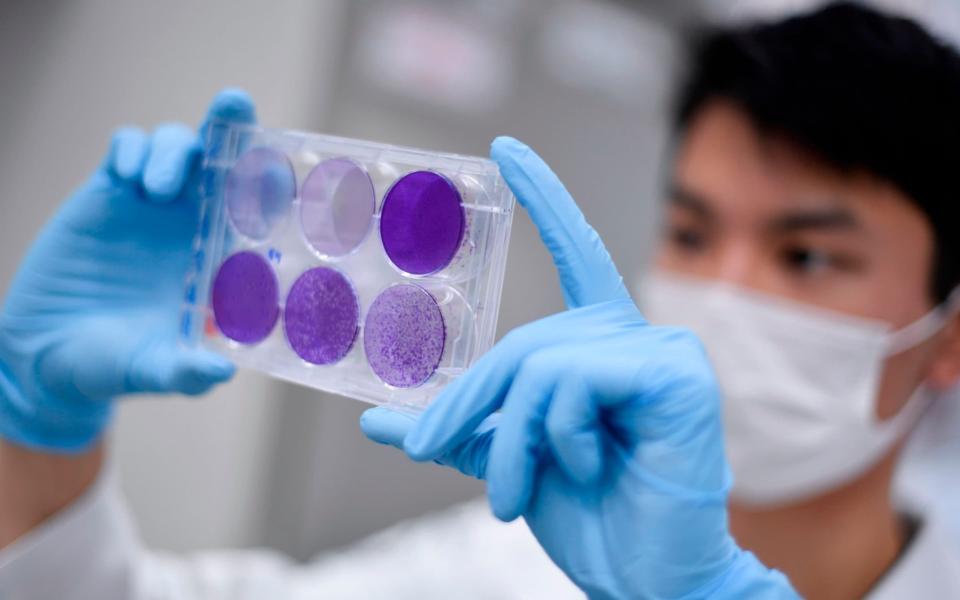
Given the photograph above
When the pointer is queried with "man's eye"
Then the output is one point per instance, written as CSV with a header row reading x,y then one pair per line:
x,y
688,239
808,260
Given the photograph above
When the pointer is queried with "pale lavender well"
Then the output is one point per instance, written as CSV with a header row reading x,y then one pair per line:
x,y
404,335
337,203
422,222
245,298
321,316
259,190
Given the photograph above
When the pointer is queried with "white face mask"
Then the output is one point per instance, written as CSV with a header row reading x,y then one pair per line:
x,y
800,383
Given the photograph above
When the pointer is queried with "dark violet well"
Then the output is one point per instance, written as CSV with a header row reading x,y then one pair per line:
x,y
245,298
422,222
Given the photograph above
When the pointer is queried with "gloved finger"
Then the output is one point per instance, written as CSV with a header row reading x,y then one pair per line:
x,y
475,395
229,106
104,358
128,153
472,455
660,396
385,426
587,273
573,427
166,367
463,405
517,446
173,152
389,427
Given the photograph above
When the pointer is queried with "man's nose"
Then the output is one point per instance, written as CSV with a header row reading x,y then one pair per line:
x,y
738,262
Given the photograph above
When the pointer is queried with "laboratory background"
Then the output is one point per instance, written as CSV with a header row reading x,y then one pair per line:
x,y
586,82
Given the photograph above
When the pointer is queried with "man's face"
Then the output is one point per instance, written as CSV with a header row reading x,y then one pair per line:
x,y
758,212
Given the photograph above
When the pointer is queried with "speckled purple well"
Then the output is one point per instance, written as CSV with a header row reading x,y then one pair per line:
x,y
422,222
259,190
245,298
403,335
336,206
321,316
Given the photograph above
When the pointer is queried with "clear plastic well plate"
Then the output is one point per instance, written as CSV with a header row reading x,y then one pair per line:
x,y
368,270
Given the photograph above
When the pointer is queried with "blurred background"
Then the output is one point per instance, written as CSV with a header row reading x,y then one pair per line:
x,y
586,82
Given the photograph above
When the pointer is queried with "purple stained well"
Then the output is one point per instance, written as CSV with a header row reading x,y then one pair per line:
x,y
336,206
259,191
404,335
422,222
321,316
245,298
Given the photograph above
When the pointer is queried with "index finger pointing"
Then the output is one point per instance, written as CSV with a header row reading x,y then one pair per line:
x,y
587,273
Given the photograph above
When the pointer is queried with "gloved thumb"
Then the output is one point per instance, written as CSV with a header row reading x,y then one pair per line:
x,y
101,360
169,367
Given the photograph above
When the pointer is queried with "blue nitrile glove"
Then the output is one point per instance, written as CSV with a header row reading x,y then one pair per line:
x,y
608,440
93,311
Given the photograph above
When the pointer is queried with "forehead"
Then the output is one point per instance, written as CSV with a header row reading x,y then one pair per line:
x,y
746,176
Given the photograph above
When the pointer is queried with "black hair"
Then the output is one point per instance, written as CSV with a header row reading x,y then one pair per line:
x,y
861,90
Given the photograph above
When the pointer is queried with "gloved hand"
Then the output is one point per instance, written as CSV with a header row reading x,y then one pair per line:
x,y
608,438
93,311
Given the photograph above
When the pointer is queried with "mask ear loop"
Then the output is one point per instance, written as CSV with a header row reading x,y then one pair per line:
x,y
926,326
908,337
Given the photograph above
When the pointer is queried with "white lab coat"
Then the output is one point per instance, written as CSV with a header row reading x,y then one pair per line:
x,y
91,550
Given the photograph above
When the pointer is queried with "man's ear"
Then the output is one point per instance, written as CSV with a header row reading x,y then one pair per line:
x,y
944,371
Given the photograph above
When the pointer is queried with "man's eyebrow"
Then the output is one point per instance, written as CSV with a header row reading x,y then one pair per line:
x,y
830,218
690,200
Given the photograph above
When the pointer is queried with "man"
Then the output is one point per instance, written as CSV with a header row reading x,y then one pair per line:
x,y
808,221
814,169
